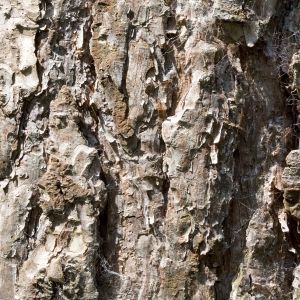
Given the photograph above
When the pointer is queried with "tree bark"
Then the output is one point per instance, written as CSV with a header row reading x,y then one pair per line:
x,y
148,149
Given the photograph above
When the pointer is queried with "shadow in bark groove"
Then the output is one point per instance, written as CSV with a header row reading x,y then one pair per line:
x,y
107,270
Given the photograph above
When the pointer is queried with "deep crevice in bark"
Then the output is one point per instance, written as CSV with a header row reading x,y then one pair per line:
x,y
107,277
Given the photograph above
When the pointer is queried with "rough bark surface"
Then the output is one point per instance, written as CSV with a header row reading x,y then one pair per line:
x,y
148,149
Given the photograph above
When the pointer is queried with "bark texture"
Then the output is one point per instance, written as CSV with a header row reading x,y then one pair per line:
x,y
148,149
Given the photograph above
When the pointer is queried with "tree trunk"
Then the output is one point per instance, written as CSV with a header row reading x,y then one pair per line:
x,y
143,147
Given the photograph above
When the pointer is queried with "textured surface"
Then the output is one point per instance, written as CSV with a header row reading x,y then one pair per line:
x,y
148,149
